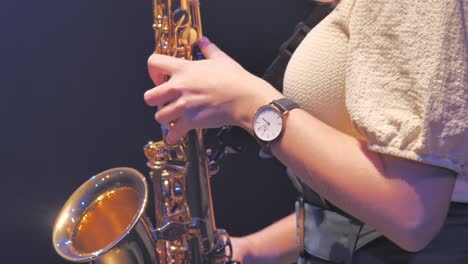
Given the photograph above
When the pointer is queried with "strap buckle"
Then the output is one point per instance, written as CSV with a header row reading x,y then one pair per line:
x,y
300,218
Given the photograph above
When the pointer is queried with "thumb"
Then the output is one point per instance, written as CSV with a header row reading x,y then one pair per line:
x,y
210,50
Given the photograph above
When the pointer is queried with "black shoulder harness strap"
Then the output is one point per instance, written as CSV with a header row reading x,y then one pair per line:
x,y
274,74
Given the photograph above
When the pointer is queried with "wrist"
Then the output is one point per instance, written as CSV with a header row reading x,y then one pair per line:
x,y
242,249
252,247
262,94
260,251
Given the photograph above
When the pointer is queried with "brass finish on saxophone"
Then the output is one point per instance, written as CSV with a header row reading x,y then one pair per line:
x,y
104,220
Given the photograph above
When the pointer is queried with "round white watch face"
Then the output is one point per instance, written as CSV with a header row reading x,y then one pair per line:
x,y
268,123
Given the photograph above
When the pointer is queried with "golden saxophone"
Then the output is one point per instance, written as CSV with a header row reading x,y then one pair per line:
x,y
105,220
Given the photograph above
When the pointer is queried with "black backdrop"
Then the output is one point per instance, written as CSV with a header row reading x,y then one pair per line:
x,y
72,78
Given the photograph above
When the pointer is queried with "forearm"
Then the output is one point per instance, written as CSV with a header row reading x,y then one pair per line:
x,y
275,243
343,170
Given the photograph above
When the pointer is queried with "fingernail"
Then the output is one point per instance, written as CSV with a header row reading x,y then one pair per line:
x,y
204,42
146,96
169,139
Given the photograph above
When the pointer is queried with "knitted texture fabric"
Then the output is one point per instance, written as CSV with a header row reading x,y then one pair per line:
x,y
392,73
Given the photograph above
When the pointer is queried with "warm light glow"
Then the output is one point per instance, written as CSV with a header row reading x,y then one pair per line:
x,y
62,220
106,219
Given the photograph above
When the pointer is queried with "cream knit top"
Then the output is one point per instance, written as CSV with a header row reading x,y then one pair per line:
x,y
392,73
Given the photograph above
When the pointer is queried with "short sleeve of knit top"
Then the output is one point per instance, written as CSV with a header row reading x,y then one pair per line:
x,y
392,73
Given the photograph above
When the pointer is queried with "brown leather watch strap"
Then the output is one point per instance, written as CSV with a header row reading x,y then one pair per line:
x,y
285,104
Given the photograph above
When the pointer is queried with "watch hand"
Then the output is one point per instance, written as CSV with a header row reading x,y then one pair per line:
x,y
263,126
266,121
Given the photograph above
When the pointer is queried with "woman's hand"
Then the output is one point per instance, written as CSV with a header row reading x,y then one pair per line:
x,y
208,93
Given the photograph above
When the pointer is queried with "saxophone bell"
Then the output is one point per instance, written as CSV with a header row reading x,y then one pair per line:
x,y
104,221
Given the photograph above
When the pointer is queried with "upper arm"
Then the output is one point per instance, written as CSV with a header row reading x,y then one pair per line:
x,y
427,190
406,93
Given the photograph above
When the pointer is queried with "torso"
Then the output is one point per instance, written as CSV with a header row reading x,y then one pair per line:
x,y
316,77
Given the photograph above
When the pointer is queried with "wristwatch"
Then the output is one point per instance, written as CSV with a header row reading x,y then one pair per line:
x,y
268,121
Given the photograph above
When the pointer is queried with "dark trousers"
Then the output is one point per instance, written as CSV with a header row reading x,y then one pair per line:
x,y
449,247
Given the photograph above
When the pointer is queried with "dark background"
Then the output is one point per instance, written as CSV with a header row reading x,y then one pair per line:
x,y
72,78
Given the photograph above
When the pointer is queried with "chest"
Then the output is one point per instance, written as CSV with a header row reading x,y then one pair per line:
x,y
316,74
